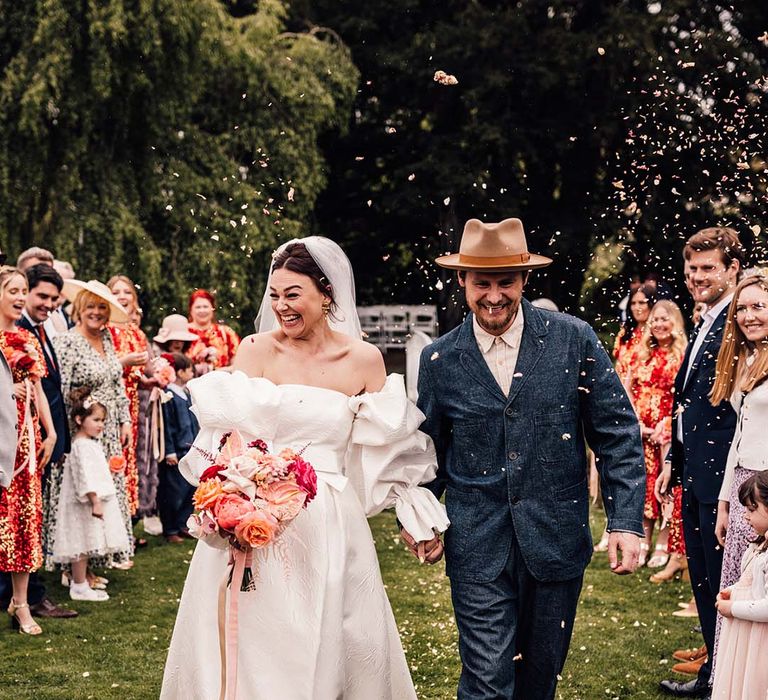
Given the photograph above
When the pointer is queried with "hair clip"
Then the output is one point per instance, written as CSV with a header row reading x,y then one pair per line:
x,y
88,402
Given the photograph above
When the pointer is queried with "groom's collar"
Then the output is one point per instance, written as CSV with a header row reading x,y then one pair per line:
x,y
532,320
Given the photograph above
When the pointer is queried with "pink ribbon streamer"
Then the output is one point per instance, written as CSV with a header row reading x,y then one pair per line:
x,y
228,621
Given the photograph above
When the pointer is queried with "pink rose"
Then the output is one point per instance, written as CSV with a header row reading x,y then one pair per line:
x,y
306,477
229,509
284,499
256,529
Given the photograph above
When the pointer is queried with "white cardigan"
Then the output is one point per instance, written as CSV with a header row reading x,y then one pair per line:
x,y
756,609
749,448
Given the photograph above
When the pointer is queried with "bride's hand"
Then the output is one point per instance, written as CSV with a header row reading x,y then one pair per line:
x,y
430,551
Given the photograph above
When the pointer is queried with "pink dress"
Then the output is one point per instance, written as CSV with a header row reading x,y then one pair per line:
x,y
742,652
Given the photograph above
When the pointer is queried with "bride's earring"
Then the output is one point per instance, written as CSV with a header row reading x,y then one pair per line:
x,y
326,309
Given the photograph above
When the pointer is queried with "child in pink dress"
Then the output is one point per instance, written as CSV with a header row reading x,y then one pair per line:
x,y
742,658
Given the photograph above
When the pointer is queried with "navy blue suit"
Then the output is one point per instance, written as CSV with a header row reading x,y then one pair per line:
x,y
514,472
698,463
174,492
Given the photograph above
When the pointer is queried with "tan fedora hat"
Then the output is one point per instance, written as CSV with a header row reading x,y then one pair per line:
x,y
493,247
175,327
73,288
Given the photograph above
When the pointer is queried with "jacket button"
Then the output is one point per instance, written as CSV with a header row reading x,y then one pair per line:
x,y
513,456
509,412
515,500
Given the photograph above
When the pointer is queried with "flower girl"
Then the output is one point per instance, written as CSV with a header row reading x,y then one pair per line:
x,y
88,520
742,670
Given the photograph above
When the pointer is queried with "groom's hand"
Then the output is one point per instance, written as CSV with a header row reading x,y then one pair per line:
x,y
430,551
628,544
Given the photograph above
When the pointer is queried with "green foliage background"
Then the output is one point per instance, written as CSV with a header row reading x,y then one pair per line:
x,y
178,140
167,139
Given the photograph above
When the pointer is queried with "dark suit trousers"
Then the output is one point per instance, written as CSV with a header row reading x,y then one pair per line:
x,y
705,559
174,499
513,615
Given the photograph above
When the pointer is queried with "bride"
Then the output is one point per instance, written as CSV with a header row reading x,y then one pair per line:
x,y
317,624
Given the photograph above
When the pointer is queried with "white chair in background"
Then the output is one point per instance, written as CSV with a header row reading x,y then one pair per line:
x,y
413,347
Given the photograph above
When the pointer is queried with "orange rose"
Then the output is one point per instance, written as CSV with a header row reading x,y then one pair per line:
x,y
116,464
207,493
256,529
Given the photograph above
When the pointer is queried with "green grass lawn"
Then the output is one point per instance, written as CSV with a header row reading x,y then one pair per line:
x,y
620,649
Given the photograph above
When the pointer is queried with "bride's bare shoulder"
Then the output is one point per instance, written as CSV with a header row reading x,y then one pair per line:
x,y
254,350
369,360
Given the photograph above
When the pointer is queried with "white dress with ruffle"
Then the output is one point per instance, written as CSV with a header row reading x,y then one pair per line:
x,y
318,625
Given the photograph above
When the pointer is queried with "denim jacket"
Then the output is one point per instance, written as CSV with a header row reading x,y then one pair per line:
x,y
517,464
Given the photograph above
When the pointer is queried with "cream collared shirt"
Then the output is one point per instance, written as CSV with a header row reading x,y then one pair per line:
x,y
500,351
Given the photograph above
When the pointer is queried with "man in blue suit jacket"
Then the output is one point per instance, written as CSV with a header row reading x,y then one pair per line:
x,y
702,433
44,288
511,397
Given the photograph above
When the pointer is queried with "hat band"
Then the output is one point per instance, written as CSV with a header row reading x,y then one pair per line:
x,y
492,261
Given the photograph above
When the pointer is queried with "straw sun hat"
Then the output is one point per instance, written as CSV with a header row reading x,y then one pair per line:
x,y
73,288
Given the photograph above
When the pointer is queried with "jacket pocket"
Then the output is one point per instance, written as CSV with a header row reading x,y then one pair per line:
x,y
556,436
472,455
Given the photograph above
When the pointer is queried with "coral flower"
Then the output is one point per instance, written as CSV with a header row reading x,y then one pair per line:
x,y
207,493
256,529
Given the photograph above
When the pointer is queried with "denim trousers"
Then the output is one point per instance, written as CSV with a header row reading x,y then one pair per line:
x,y
514,632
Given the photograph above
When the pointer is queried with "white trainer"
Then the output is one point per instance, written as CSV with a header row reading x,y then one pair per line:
x,y
87,593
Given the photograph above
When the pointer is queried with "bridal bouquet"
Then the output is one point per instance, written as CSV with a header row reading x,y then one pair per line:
x,y
248,496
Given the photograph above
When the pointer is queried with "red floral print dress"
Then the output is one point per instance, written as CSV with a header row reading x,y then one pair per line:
x,y
128,338
21,504
218,337
652,391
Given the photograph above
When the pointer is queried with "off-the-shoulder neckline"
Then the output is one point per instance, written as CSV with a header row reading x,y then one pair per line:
x,y
311,386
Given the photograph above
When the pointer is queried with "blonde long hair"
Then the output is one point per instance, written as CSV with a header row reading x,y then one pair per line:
x,y
732,370
679,340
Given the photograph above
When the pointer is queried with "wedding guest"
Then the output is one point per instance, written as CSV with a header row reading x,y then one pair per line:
x,y
742,369
88,519
650,385
174,335
21,502
742,672
631,332
217,342
174,494
7,423
88,359
131,346
44,291
701,432
623,306
33,256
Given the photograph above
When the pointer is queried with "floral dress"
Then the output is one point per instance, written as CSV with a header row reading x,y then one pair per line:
x,y
81,365
652,392
129,338
222,339
21,504
624,353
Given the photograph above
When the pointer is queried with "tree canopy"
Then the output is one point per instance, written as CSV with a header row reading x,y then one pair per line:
x,y
172,141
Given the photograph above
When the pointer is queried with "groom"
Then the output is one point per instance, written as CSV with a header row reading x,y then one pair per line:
x,y
510,398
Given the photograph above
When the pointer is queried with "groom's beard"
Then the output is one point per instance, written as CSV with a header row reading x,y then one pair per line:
x,y
498,321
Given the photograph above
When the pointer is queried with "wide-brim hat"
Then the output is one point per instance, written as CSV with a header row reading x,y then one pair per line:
x,y
73,288
175,327
493,248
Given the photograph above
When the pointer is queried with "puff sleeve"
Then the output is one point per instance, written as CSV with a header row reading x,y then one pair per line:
x,y
389,458
221,402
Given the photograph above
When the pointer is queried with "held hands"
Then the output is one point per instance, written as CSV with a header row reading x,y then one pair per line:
x,y
628,543
430,552
724,604
661,487
20,391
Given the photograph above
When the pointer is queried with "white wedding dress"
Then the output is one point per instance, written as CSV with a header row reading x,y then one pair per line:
x,y
318,625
